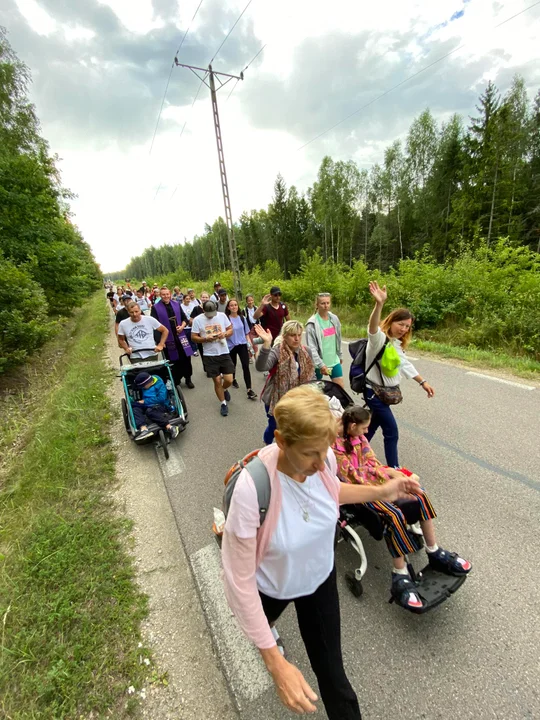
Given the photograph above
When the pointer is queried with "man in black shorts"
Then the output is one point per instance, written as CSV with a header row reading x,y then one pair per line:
x,y
212,329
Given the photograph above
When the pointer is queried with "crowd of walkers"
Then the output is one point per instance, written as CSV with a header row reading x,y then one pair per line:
x,y
314,461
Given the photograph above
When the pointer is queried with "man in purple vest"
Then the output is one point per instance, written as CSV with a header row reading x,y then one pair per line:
x,y
177,349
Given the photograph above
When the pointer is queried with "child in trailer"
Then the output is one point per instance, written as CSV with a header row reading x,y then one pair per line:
x,y
357,464
154,406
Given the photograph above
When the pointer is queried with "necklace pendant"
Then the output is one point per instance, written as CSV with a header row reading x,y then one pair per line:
x,y
305,515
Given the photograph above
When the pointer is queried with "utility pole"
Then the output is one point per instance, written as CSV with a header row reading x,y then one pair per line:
x,y
212,76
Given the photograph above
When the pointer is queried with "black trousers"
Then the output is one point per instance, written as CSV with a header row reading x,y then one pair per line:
x,y
241,351
181,368
155,414
320,626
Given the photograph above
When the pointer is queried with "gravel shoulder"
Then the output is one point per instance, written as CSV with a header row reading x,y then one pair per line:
x,y
188,682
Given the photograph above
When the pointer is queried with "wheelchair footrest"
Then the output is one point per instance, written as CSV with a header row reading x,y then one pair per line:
x,y
436,587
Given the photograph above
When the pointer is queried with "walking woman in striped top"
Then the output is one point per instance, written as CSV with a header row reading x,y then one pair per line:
x,y
357,464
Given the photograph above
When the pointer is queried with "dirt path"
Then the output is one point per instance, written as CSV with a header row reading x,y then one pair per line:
x,y
176,630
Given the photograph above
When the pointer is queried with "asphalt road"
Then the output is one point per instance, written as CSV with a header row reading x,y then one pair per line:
x,y
476,448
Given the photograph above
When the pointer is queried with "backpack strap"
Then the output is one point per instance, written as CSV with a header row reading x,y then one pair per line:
x,y
376,360
261,479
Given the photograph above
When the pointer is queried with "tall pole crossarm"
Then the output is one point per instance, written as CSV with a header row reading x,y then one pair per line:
x,y
225,189
210,75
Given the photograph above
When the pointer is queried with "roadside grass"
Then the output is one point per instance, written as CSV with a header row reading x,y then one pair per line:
x,y
353,325
69,604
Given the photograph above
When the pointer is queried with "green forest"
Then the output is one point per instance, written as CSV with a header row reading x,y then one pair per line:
x,y
46,268
450,219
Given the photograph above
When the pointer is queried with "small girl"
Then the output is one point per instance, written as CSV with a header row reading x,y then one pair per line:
x,y
357,464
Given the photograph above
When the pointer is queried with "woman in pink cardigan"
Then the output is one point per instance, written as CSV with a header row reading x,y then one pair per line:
x,y
290,557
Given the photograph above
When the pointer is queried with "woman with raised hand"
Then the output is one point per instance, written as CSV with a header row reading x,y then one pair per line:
x,y
288,363
290,557
387,341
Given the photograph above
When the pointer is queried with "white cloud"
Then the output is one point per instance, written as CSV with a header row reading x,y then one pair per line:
x,y
116,179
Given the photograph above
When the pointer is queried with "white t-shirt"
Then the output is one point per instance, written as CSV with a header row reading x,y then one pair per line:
x,y
206,327
300,554
142,302
406,368
188,309
140,334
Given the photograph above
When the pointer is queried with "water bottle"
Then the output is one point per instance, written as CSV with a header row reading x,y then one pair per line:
x,y
168,385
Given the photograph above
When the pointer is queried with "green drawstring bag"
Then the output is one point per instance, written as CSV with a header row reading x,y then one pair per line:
x,y
390,361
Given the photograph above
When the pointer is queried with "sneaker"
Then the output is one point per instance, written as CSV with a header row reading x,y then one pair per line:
x,y
251,361
144,435
196,353
224,410
227,395
235,384
189,384
266,373
251,395
174,431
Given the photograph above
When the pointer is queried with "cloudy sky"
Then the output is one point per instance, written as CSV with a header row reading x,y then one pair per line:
x,y
100,70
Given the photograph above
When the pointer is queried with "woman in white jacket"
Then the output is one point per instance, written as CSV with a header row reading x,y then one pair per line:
x,y
323,337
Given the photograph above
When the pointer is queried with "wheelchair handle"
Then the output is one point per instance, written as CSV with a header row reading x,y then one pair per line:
x,y
152,349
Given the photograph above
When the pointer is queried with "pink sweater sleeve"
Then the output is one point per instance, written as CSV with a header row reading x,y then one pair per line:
x,y
239,550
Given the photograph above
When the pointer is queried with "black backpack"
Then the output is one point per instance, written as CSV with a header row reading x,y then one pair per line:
x,y
358,372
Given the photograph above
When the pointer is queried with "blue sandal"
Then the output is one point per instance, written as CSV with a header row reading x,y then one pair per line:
x,y
404,592
449,563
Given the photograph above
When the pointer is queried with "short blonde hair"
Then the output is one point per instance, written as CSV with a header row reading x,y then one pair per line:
x,y
304,414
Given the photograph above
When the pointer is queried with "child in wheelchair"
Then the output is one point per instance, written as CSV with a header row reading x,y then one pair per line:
x,y
358,464
154,406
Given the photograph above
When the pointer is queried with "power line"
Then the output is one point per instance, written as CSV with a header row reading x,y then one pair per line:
x,y
230,31
211,61
244,70
170,74
410,77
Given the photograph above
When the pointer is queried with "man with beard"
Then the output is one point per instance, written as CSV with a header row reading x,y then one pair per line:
x,y
177,349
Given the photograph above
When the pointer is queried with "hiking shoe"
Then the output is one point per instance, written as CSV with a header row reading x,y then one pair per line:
x,y
235,384
227,395
251,395
189,384
144,435
224,410
174,431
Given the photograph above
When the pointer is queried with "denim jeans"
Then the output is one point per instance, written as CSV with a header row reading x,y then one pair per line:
x,y
383,417
268,437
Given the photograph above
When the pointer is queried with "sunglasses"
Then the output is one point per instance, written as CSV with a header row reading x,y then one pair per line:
x,y
323,295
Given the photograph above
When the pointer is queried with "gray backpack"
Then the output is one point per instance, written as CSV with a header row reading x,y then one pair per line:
x,y
259,473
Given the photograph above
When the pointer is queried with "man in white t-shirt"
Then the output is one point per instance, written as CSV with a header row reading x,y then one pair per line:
x,y
211,330
136,335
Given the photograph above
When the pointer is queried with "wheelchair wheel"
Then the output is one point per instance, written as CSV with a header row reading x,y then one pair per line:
x,y
354,585
182,400
125,415
163,443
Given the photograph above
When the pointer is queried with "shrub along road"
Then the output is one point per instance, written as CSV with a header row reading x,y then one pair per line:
x,y
475,446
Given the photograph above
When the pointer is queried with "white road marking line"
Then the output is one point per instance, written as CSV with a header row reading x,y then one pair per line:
x,y
242,664
175,465
506,382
